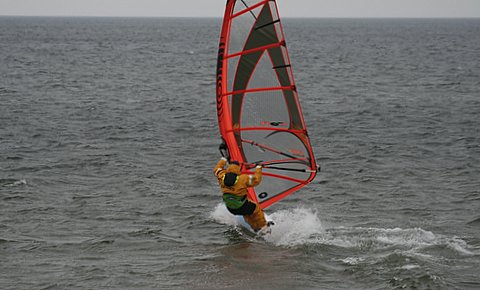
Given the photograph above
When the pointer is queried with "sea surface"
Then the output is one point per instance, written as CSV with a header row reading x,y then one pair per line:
x,y
108,138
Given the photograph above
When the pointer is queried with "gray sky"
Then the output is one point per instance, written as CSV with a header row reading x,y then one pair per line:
x,y
214,8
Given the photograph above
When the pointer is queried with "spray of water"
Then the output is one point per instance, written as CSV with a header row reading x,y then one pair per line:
x,y
302,226
292,227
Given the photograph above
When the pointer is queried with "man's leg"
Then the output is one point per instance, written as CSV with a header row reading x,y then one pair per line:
x,y
257,219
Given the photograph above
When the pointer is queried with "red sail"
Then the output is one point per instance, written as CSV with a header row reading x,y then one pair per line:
x,y
259,113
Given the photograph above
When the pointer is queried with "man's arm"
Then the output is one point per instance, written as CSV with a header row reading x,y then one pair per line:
x,y
220,166
256,178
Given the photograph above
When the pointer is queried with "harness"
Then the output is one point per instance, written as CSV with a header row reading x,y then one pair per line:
x,y
234,201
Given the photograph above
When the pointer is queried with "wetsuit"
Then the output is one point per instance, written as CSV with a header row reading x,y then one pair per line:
x,y
235,196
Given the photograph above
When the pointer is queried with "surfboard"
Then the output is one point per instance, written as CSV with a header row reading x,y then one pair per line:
x,y
242,223
259,114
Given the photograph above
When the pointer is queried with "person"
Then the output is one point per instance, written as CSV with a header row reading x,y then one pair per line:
x,y
233,185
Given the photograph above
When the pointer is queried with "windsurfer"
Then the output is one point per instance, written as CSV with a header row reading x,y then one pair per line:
x,y
234,186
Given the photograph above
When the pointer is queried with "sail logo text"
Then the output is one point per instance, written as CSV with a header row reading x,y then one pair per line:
x,y
296,152
274,124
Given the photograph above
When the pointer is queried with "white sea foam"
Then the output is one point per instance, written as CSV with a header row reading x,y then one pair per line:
x,y
352,260
302,226
294,227
20,182
17,183
221,215
461,246
410,267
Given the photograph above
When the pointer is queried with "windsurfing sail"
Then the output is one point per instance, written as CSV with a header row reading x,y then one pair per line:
x,y
259,114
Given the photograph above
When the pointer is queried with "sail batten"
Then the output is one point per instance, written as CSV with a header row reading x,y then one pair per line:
x,y
253,50
259,113
291,88
249,8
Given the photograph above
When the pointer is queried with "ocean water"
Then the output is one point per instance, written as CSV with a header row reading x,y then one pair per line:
x,y
108,137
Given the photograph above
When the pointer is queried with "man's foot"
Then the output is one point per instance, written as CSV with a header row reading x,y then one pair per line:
x,y
265,229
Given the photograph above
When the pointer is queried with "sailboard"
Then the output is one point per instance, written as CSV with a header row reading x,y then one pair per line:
x,y
259,113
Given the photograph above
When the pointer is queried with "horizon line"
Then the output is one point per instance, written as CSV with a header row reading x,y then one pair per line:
x,y
220,17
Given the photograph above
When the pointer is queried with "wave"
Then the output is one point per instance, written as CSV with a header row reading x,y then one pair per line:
x,y
9,182
302,226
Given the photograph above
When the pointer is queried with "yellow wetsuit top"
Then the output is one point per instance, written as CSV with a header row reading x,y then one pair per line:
x,y
243,182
